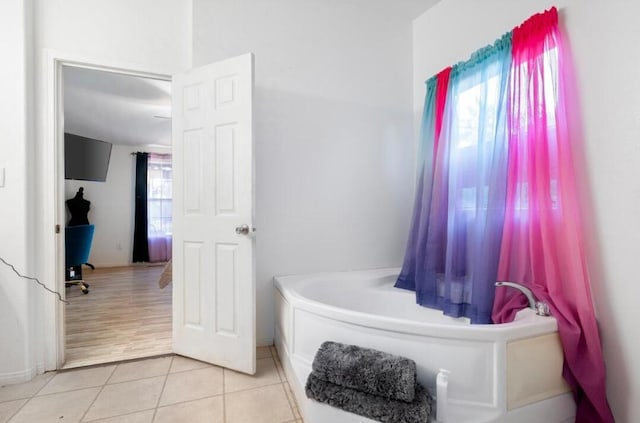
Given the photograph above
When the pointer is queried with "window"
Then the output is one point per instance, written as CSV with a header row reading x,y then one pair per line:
x,y
159,198
477,107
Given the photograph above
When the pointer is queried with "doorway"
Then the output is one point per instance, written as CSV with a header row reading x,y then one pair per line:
x,y
213,295
117,163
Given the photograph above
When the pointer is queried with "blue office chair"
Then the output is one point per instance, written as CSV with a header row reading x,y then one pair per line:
x,y
77,243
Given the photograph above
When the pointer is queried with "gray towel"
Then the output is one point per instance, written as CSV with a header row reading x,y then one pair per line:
x,y
371,406
367,370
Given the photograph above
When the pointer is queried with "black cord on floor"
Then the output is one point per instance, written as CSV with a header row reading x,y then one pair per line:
x,y
33,279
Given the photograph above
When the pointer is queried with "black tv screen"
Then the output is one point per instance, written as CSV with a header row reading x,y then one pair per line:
x,y
86,159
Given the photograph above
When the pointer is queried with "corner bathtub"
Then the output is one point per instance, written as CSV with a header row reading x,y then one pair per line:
x,y
478,373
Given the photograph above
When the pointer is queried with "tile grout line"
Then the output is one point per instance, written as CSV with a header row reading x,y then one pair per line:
x,y
120,415
43,386
282,382
97,395
168,405
224,396
295,410
27,399
140,378
111,375
117,415
291,397
191,370
280,369
88,387
68,390
188,401
164,384
19,408
286,394
255,388
166,375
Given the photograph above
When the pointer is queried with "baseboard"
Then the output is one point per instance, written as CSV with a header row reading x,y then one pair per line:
x,y
99,265
264,342
18,377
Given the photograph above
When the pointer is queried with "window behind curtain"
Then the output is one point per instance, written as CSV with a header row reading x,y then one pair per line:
x,y
473,132
471,123
159,197
159,205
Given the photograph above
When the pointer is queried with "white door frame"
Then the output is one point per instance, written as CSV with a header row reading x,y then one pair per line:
x,y
54,212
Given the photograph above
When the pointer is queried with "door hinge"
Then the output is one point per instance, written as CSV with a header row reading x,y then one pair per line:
x,y
57,229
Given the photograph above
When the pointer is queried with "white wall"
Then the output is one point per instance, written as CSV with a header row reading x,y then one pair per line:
x,y
18,362
334,172
149,35
112,207
602,37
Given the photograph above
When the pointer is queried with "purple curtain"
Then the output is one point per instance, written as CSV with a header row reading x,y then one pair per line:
x,y
416,247
454,246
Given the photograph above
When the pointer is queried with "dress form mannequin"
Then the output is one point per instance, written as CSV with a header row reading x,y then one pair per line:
x,y
79,209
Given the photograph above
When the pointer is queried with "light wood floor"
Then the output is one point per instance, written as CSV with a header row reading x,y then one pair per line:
x,y
124,316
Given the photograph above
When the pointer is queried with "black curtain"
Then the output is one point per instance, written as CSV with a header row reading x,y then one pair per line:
x,y
140,239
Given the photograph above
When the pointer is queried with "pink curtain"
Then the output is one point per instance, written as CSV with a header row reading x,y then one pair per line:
x,y
159,248
442,88
542,244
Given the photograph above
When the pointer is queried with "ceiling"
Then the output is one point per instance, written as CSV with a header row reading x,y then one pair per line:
x,y
404,9
117,108
132,110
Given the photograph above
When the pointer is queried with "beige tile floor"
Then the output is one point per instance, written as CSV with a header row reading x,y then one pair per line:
x,y
169,389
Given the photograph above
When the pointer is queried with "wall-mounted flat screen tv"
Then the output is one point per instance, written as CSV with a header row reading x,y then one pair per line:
x,y
86,159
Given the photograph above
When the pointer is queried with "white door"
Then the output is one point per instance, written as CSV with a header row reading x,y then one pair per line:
x,y
213,265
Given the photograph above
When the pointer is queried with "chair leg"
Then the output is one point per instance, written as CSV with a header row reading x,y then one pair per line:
x,y
84,287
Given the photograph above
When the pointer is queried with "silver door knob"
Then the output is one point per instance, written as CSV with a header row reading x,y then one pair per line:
x,y
242,230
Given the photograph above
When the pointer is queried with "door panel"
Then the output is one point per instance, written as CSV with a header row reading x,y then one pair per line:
x,y
214,282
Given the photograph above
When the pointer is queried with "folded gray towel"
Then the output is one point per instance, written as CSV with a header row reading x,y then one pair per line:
x,y
371,406
367,370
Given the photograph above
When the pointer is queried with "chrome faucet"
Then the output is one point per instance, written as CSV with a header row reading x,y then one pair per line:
x,y
542,309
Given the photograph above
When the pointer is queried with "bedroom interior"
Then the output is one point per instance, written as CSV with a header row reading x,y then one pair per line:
x,y
125,314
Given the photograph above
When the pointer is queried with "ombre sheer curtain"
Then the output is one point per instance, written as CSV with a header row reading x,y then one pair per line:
x,y
497,200
453,250
542,245
415,255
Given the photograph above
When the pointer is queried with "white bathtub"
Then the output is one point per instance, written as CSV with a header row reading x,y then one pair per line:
x,y
479,373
